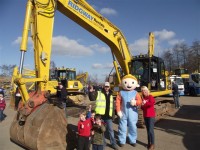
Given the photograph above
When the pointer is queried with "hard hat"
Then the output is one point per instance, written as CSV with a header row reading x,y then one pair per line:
x,y
107,84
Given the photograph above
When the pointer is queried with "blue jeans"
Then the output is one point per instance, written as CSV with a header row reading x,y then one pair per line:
x,y
64,107
109,130
149,122
176,100
1,115
97,147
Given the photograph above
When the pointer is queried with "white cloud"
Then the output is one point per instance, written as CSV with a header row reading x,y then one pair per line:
x,y
102,66
108,11
139,46
108,66
61,45
19,39
101,49
29,45
97,66
164,34
163,39
175,41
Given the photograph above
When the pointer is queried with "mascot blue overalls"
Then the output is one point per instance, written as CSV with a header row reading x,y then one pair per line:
x,y
126,106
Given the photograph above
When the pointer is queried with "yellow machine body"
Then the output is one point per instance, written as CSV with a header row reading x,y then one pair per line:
x,y
36,119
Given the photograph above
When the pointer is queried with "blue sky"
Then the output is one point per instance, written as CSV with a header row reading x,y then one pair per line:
x,y
172,21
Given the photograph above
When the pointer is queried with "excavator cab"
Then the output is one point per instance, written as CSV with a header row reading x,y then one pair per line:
x,y
67,76
150,72
63,75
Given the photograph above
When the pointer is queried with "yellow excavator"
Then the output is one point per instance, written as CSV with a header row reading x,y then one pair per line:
x,y
68,78
38,124
149,71
83,78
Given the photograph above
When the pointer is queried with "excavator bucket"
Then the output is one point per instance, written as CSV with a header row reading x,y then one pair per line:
x,y
78,99
45,129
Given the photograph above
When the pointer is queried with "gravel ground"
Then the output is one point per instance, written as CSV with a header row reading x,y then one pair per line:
x,y
178,131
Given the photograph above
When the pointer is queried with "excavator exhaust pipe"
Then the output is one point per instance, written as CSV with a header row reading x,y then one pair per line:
x,y
44,129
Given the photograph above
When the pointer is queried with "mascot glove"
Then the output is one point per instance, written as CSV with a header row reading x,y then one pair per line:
x,y
120,114
133,102
144,102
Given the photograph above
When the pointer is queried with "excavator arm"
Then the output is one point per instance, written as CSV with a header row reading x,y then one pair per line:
x,y
40,20
48,123
83,14
82,77
33,113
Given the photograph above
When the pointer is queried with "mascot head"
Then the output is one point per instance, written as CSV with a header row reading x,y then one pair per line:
x,y
129,82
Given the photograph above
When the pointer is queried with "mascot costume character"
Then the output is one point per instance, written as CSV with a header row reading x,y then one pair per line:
x,y
126,106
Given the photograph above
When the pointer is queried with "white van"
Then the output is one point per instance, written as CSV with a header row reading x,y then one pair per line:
x,y
179,81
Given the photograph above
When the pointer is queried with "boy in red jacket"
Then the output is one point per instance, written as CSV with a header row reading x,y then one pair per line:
x,y
84,130
2,107
147,106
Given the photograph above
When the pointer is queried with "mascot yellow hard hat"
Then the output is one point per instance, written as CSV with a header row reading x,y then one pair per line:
x,y
129,76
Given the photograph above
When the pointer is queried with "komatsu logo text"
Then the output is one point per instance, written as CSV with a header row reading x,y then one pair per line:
x,y
80,10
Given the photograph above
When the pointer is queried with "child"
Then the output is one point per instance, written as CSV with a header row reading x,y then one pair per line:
x,y
17,98
84,127
98,134
2,107
91,115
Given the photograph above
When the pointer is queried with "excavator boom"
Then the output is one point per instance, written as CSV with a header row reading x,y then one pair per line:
x,y
34,114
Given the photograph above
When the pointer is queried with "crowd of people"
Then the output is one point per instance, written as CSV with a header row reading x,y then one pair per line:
x,y
95,124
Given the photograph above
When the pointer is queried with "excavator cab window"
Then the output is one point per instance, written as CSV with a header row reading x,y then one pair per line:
x,y
162,76
61,74
181,71
65,75
150,72
71,75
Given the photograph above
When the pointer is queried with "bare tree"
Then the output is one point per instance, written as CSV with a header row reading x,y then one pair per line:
x,y
176,54
168,58
52,64
93,79
183,49
195,50
6,70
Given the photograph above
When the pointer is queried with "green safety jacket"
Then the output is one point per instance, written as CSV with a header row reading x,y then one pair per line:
x,y
101,104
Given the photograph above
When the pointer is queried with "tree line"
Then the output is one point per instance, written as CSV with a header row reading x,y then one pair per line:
x,y
180,56
6,70
183,56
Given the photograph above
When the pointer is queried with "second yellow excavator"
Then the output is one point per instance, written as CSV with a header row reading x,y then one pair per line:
x,y
73,83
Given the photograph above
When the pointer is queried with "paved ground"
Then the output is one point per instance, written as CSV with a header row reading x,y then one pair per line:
x,y
178,131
